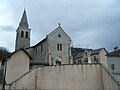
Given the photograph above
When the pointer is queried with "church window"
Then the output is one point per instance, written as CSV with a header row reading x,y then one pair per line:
x,y
22,33
60,47
26,35
59,35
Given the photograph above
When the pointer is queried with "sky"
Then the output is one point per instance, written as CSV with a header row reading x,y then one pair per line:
x,y
89,23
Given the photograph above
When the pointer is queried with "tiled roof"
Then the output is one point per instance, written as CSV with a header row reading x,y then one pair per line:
x,y
45,39
96,51
76,51
114,53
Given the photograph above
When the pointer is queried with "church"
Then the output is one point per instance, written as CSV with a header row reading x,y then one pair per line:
x,y
48,64
54,49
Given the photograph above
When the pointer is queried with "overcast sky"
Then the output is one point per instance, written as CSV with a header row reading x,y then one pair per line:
x,y
89,23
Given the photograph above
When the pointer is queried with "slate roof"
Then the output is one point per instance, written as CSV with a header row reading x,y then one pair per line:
x,y
96,51
42,41
79,52
45,39
24,22
19,50
76,51
114,53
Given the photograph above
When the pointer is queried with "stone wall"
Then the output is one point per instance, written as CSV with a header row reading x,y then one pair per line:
x,y
66,77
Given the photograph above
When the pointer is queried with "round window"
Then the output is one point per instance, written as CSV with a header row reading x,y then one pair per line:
x,y
59,35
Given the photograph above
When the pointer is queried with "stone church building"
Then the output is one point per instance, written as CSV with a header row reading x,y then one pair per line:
x,y
52,50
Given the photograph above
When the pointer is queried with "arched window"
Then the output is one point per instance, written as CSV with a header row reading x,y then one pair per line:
x,y
60,47
26,35
22,33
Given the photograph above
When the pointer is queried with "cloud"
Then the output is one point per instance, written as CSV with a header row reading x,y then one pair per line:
x,y
6,28
89,23
7,37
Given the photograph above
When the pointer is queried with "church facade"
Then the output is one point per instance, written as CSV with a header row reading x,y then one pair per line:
x,y
52,50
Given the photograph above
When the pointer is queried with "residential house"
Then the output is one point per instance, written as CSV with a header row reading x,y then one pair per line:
x,y
16,65
96,56
113,59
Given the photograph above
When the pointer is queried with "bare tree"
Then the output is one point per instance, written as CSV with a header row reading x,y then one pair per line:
x,y
3,52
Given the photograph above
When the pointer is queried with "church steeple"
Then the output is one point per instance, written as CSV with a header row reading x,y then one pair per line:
x,y
24,22
23,33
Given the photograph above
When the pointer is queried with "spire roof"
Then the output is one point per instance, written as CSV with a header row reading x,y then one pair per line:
x,y
24,22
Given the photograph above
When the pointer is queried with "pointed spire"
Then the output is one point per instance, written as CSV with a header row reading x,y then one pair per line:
x,y
24,22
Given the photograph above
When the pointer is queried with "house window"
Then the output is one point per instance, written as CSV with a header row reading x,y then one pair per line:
x,y
112,66
59,47
79,61
95,59
86,60
26,35
22,33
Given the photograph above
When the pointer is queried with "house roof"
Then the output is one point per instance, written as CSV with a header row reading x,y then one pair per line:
x,y
114,53
5,58
76,51
79,54
19,50
96,51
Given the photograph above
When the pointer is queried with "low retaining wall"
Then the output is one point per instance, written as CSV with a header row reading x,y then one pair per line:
x,y
109,81
66,77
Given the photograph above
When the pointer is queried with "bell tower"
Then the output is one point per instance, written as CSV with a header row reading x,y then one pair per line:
x,y
23,33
